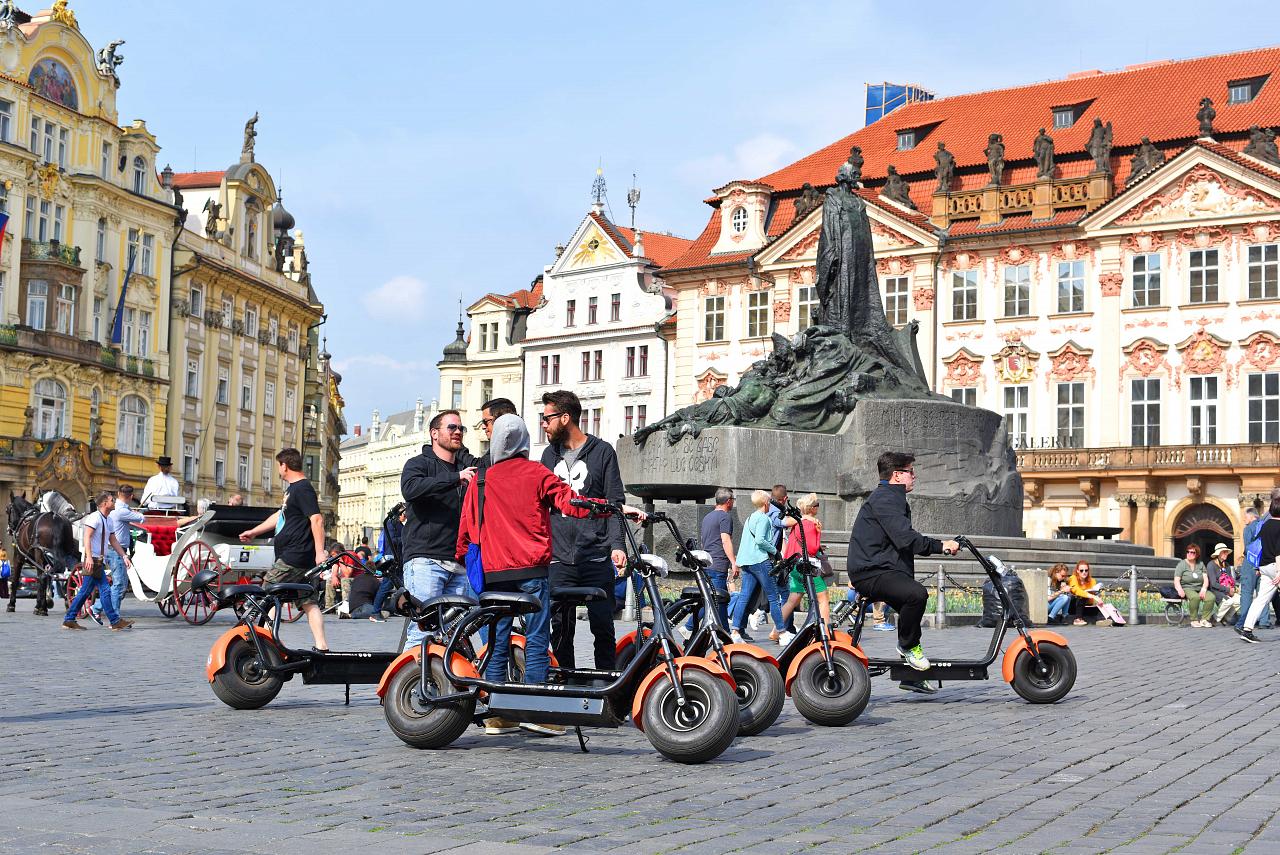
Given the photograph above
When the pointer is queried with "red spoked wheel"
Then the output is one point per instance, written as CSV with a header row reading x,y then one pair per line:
x,y
74,580
168,605
196,607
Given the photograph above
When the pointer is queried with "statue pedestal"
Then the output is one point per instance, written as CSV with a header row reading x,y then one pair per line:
x,y
966,479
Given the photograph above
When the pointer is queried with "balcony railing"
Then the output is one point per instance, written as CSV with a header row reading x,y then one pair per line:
x,y
1154,457
62,346
36,250
1040,199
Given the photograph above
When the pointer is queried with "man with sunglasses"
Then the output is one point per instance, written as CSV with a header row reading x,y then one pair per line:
x,y
433,484
490,411
882,550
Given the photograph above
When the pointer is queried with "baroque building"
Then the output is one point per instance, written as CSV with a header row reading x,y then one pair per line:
x,y
243,317
84,369
597,329
322,426
1097,258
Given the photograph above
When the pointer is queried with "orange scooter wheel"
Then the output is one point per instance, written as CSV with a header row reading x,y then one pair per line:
x,y
421,725
1050,685
242,684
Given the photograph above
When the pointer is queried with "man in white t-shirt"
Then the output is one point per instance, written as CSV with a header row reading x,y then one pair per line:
x,y
161,484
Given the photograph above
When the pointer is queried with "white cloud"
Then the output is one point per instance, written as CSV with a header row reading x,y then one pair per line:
x,y
749,159
400,299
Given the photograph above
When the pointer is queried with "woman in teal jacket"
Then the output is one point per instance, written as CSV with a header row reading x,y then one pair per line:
x,y
754,551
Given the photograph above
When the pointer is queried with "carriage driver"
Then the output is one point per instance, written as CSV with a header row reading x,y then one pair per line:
x,y
98,538
298,540
161,484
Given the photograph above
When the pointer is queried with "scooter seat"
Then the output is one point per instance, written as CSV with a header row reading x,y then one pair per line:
x,y
230,593
289,590
434,602
693,592
577,596
515,604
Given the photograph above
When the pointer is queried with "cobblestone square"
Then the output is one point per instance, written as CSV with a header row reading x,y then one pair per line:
x,y
115,743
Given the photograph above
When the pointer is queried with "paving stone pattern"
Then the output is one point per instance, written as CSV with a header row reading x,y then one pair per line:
x,y
115,744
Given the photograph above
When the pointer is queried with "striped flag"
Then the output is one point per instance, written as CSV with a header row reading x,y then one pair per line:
x,y
117,325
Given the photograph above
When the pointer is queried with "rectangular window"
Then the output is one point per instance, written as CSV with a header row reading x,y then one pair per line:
x,y
188,463
486,390
293,339
242,471
273,330
193,378
106,161
456,402
544,370
967,396
631,363
964,295
1064,117
100,242
642,416
907,139
42,223
250,320
555,369
586,365
144,334
65,317
595,421
148,254
1264,407
98,305
6,121
37,304
29,222
713,317
1203,267
266,476
34,143
895,300
49,137
246,391
1264,272
135,241
1017,290
1144,409
642,368
196,302
628,416
1017,410
1070,286
807,303
1204,410
615,307
224,385
127,329
493,335
569,308
1244,91
1071,415
289,406
1146,280
220,468
593,307
62,147
599,364
59,222
269,398
757,314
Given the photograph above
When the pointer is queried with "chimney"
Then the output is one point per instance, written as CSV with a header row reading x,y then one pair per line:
x,y
357,430
418,416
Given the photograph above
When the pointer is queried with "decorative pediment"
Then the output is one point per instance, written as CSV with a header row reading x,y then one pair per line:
x,y
1203,352
1016,363
806,248
1261,350
1070,362
889,235
592,249
1146,356
707,383
964,368
1200,192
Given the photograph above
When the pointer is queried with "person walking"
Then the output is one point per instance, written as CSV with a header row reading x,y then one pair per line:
x,y
811,526
1248,569
98,539
754,551
298,540
1268,569
121,519
1192,584
882,552
584,551
716,537
433,484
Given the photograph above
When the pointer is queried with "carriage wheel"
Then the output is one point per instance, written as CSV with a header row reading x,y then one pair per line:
x,y
74,580
168,605
196,608
291,612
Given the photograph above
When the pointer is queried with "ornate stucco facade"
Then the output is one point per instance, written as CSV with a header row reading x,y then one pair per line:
x,y
78,412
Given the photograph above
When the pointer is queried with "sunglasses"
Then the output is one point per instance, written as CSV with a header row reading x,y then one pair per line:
x,y
546,417
454,428
484,423
910,472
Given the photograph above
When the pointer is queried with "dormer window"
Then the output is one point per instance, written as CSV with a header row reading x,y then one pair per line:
x,y
738,219
139,175
1244,91
907,139
1064,117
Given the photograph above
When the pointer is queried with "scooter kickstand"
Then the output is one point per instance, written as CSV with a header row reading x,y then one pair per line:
x,y
348,700
582,739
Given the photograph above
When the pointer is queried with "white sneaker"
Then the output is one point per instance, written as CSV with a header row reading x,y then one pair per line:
x,y
786,638
736,636
756,620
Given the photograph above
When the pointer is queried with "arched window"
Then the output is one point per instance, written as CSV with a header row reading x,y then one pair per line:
x,y
739,219
100,247
131,438
51,409
139,175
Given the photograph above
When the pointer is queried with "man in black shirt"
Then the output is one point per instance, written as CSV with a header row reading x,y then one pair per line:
x,y
299,537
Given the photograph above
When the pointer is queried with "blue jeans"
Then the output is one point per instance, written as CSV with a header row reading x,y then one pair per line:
x,y
119,584
1059,606
384,589
87,587
537,638
719,581
1249,585
426,579
758,576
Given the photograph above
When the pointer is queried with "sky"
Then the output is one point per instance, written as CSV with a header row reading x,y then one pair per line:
x,y
433,151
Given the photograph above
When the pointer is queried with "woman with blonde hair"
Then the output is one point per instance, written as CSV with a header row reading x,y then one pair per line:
x,y
812,528
754,551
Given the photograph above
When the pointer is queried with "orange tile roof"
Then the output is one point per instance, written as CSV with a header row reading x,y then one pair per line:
x,y
185,180
698,253
662,249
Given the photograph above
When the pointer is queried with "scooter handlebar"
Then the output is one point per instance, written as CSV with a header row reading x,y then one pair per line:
x,y
596,507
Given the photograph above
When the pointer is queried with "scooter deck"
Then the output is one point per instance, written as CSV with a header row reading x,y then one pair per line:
x,y
953,671
553,709
337,667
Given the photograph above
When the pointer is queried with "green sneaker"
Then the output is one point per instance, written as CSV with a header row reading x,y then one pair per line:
x,y
915,658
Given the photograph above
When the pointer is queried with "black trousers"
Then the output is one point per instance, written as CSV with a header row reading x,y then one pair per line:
x,y
591,574
904,595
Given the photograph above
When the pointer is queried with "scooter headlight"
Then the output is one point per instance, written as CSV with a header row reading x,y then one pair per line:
x,y
655,563
702,557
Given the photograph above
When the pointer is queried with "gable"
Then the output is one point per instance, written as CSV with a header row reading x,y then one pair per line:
x,y
888,234
592,246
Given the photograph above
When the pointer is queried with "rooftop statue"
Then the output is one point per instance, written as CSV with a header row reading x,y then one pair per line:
x,y
812,381
1042,147
1205,116
944,169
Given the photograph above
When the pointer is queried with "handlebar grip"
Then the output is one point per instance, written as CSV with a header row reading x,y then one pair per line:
x,y
588,504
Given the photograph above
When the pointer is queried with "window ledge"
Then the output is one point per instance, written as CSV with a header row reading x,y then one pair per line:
x,y
765,337
963,323
1213,305
1017,318
714,341
1260,300
1080,314
1138,309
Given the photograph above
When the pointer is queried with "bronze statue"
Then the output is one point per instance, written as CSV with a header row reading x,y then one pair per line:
x,y
809,200
213,210
1146,157
109,60
944,168
1205,116
250,133
995,158
855,162
897,189
1099,146
1262,145
1043,150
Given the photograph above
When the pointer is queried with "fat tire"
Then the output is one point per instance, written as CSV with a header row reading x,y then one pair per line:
x,y
710,736
436,728
815,701
625,655
765,694
1062,674
235,688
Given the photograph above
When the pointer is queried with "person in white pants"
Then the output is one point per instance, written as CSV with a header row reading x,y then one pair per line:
x,y
1268,570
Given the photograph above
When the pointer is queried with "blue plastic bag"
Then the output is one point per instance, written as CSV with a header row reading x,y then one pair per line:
x,y
475,569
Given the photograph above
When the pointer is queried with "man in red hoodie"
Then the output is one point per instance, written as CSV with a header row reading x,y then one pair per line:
x,y
515,540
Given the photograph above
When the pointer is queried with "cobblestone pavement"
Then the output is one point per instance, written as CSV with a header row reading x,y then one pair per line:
x,y
115,743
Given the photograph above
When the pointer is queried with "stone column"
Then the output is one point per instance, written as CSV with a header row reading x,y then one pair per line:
x,y
1159,541
1142,526
1037,582
1125,500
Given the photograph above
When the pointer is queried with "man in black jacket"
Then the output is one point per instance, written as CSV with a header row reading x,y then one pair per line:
x,y
882,550
583,551
433,484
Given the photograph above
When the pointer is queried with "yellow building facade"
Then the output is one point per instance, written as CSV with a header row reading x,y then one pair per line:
x,y
79,412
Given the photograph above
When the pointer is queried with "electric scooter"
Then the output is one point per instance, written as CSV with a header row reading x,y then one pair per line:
x,y
1038,664
249,663
685,705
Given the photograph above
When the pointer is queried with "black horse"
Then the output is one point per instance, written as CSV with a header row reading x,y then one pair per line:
x,y
43,540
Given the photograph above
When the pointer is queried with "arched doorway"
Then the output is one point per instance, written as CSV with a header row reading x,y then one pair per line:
x,y
1205,526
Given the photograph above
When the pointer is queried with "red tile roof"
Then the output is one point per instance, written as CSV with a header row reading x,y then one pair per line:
x,y
185,180
698,253
662,249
